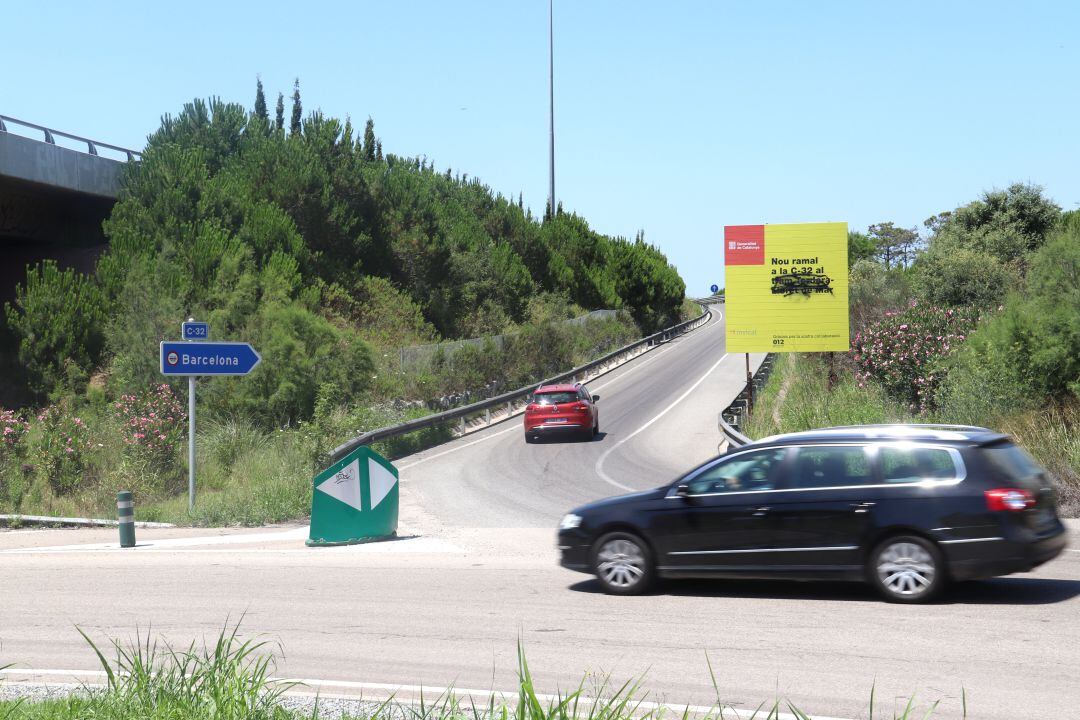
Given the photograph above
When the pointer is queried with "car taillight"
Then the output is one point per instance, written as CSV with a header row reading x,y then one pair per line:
x,y
1009,499
581,407
531,407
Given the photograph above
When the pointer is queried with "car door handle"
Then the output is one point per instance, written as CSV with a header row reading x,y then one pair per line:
x,y
862,507
761,511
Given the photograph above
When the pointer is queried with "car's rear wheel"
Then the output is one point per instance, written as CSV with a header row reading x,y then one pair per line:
x,y
623,564
907,569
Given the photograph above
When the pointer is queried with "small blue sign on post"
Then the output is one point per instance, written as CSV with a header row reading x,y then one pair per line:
x,y
208,358
714,289
195,330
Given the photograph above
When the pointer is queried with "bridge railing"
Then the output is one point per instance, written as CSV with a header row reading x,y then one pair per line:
x,y
50,136
514,400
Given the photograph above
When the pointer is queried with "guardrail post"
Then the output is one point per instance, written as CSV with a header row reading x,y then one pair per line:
x,y
509,408
125,515
462,425
487,416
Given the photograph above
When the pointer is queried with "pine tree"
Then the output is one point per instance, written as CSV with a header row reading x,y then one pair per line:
x,y
378,151
297,109
521,201
260,100
369,140
279,113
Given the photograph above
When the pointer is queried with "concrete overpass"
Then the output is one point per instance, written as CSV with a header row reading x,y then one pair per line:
x,y
55,190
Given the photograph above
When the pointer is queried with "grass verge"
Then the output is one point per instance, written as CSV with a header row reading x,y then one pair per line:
x,y
232,679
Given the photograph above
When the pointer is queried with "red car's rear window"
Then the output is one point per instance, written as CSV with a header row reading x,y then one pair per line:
x,y
555,398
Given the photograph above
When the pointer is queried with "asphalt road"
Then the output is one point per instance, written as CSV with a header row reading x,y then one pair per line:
x,y
447,606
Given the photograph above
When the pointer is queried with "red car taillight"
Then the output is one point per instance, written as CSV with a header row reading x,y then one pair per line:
x,y
1009,499
530,408
581,407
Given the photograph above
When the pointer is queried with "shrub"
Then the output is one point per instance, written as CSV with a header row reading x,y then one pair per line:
x,y
1031,350
903,351
152,426
63,443
960,276
875,290
13,429
300,351
58,320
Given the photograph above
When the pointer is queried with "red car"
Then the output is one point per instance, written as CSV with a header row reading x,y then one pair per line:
x,y
560,409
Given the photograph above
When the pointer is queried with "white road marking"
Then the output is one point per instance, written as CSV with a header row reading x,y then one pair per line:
x,y
600,461
391,690
408,542
656,356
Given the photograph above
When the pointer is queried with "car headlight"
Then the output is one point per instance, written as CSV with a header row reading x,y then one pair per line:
x,y
570,521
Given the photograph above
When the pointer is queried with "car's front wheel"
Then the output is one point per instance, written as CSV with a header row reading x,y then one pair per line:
x,y
907,569
623,564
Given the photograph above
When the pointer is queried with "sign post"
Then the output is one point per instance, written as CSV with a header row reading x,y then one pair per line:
x,y
192,331
194,357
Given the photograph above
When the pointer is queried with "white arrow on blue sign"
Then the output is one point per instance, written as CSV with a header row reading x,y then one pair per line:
x,y
208,358
715,288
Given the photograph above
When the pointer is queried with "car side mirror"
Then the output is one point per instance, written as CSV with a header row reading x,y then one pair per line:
x,y
683,491
596,398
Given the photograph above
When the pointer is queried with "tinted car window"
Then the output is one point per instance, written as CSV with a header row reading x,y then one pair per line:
x,y
831,466
1015,464
555,398
908,465
748,471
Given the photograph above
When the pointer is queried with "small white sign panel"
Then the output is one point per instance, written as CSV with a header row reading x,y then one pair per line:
x,y
344,485
382,482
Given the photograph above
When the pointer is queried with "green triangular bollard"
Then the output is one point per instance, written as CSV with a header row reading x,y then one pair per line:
x,y
355,500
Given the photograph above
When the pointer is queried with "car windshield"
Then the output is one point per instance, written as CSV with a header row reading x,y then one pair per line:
x,y
555,398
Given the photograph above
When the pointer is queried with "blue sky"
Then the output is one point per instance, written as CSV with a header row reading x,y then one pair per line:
x,y
677,118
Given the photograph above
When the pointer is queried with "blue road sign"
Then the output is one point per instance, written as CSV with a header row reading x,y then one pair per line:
x,y
714,289
195,331
208,358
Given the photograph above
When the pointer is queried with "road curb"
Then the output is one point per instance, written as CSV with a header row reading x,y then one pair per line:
x,y
72,521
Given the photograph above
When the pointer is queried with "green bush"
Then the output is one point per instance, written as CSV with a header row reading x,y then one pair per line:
x,y
58,320
960,276
301,351
1030,350
875,290
62,447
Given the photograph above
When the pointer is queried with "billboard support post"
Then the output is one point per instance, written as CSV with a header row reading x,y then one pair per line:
x,y
749,387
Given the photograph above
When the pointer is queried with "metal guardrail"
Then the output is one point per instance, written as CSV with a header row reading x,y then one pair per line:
x,y
50,137
732,417
508,399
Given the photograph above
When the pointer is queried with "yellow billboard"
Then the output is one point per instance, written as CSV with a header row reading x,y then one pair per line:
x,y
786,287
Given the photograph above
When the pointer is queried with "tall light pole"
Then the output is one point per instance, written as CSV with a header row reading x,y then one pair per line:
x,y
551,107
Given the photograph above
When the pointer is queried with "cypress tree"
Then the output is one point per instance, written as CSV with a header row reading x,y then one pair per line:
x,y
378,151
369,140
260,100
297,109
279,113
521,201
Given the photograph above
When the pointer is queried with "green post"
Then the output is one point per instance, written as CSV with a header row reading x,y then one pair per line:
x,y
125,513
354,500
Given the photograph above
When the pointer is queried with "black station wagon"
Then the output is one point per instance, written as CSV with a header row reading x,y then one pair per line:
x,y
903,507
